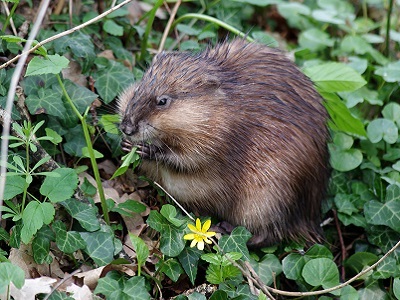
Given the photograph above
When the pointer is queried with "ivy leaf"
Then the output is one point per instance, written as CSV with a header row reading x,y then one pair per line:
x,y
111,79
396,287
34,216
118,288
52,65
387,213
236,242
292,265
171,240
169,212
171,268
335,77
61,187
84,213
321,272
99,246
41,245
67,241
47,101
189,259
268,268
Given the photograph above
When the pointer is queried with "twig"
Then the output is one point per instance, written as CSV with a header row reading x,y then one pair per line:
x,y
11,92
62,282
11,19
342,245
169,24
57,36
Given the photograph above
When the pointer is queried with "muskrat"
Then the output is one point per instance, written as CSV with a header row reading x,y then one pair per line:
x,y
237,132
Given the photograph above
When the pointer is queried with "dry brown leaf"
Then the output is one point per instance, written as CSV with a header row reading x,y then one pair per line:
x,y
80,292
91,277
32,287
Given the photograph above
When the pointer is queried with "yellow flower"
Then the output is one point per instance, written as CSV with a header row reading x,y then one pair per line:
x,y
200,234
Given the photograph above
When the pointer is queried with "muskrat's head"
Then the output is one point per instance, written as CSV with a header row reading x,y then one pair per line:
x,y
174,103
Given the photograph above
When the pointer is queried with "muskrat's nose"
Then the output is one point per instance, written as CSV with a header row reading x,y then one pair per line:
x,y
127,127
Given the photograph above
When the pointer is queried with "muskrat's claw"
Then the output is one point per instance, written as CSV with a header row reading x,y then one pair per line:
x,y
146,151
126,145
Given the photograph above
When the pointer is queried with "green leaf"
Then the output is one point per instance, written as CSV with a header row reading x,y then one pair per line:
x,y
236,242
131,158
396,287
169,212
81,96
292,265
321,272
335,77
62,187
113,28
34,216
390,72
52,65
384,129
47,101
268,268
341,116
141,249
344,159
220,295
121,289
387,213
109,123
172,268
41,245
10,273
133,206
67,241
112,79
391,111
189,30
55,137
84,213
214,274
14,186
85,153
315,39
171,240
359,261
99,246
386,269
319,251
189,259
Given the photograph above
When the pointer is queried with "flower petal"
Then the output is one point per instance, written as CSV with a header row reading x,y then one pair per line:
x,y
208,241
206,226
189,236
193,243
192,228
209,234
198,224
200,245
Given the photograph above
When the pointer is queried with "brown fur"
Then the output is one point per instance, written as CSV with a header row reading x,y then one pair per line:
x,y
243,138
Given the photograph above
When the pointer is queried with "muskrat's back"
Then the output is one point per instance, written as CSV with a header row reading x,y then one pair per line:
x,y
237,132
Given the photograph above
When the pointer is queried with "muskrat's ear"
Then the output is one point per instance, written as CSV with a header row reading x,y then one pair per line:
x,y
210,82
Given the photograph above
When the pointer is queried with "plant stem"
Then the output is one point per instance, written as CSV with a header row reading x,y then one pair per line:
x,y
212,20
89,145
152,15
389,14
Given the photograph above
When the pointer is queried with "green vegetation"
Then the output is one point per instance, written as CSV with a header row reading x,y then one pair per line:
x,y
65,126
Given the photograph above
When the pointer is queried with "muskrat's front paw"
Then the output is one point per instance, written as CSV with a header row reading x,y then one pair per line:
x,y
146,151
126,145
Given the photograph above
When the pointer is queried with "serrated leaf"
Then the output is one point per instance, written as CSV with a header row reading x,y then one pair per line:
x,y
268,268
321,272
52,65
46,101
189,259
335,77
99,246
35,215
10,273
112,79
67,241
60,188
341,116
236,242
384,129
387,213
84,213
14,186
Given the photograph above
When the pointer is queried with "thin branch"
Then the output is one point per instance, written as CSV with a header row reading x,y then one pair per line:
x,y
169,24
57,36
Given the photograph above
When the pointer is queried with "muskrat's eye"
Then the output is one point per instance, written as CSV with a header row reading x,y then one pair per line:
x,y
163,100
